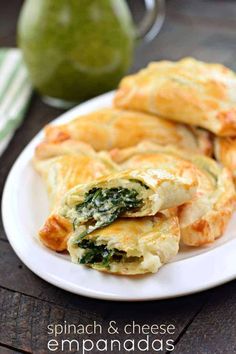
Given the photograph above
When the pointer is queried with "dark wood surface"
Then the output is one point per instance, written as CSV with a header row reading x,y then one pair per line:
x,y
205,322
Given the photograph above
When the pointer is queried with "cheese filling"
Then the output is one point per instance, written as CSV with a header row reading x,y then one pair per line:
x,y
102,206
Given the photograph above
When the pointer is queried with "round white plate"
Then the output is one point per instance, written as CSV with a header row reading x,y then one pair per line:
x,y
25,207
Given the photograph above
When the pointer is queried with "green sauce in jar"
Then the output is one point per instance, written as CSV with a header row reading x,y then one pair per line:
x,y
76,49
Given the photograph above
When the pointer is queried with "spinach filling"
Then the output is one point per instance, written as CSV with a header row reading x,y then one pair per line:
x,y
101,255
103,206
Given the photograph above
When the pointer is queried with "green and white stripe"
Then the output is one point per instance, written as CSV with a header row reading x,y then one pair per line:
x,y
15,92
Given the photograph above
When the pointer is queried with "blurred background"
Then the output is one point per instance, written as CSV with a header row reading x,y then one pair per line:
x,y
205,29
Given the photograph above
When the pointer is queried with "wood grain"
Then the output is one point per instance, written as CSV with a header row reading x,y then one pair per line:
x,y
214,328
40,290
26,319
9,350
17,277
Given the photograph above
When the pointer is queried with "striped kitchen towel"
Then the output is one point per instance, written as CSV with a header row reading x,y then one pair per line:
x,y
15,93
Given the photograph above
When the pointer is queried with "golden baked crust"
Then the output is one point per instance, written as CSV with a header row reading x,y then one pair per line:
x,y
62,173
63,166
146,244
109,128
188,91
158,190
48,149
205,217
55,232
225,152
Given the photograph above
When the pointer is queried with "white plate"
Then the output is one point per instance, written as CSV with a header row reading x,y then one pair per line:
x,y
25,207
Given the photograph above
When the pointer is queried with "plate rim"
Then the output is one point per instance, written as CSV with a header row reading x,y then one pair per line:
x,y
49,276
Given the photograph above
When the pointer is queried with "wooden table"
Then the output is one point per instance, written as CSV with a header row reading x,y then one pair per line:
x,y
205,322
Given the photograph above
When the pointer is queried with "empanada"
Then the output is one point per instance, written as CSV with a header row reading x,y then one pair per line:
x,y
129,246
130,193
225,152
113,128
205,217
187,91
62,172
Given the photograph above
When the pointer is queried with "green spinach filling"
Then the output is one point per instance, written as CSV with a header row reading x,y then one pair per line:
x,y
99,254
103,206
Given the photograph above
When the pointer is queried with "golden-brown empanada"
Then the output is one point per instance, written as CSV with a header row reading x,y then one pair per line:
x,y
225,152
64,165
61,173
129,246
130,193
188,91
205,217
113,128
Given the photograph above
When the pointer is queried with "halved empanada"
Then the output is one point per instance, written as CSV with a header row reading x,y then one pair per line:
x,y
205,217
131,193
109,128
128,246
187,91
225,152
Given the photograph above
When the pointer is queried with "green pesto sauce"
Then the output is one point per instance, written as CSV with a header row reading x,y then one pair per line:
x,y
76,49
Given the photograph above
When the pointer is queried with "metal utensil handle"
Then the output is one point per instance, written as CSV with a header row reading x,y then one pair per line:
x,y
152,21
